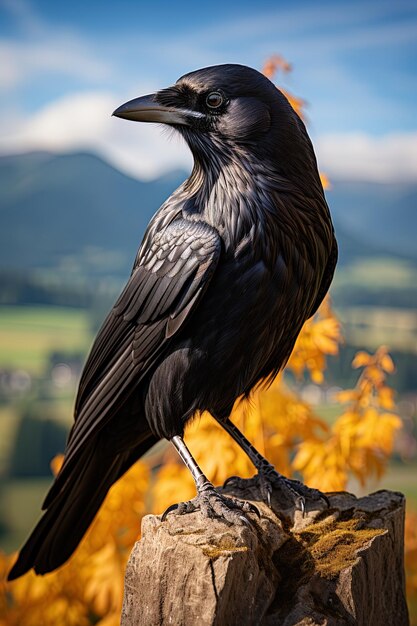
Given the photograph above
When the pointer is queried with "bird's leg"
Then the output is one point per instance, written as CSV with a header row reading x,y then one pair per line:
x,y
267,476
211,503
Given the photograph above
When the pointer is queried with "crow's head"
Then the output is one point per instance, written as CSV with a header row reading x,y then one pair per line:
x,y
225,107
230,101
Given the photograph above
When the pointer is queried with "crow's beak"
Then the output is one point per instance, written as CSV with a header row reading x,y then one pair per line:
x,y
147,109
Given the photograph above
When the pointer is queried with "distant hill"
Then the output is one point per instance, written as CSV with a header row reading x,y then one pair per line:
x,y
382,214
78,213
57,209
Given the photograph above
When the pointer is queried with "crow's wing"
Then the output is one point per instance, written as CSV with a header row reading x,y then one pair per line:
x,y
170,275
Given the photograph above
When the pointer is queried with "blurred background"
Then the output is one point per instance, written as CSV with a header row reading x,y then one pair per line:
x,y
77,188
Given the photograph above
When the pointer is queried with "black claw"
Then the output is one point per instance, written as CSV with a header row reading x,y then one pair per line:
x,y
231,479
301,504
245,521
326,499
268,497
173,507
254,509
268,476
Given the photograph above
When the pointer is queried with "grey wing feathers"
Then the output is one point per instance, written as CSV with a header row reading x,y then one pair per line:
x,y
165,285
185,249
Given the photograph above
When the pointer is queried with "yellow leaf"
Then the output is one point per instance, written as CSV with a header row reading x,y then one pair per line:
x,y
325,181
347,395
387,364
56,463
386,397
361,359
374,373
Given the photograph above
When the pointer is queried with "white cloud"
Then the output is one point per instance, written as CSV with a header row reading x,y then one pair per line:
x,y
65,55
357,156
315,26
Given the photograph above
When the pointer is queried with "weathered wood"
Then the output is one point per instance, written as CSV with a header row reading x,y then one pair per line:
x,y
334,567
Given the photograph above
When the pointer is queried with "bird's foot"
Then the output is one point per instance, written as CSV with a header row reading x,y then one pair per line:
x,y
269,480
214,505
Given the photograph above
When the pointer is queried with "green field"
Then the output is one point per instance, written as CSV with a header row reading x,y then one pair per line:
x,y
371,327
376,273
402,478
29,334
20,508
28,337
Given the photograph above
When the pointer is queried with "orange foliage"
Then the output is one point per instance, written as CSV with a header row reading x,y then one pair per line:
x,y
325,181
276,64
89,588
361,439
320,337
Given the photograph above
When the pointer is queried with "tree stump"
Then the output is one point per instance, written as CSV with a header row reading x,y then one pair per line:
x,y
335,566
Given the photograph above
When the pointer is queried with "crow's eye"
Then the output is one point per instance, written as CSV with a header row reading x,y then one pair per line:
x,y
214,100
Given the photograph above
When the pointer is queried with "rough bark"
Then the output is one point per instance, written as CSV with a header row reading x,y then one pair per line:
x,y
337,566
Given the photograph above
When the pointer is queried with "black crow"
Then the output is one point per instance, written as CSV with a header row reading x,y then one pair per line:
x,y
229,269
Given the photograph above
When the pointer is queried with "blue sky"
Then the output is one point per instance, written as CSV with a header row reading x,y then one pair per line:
x,y
63,63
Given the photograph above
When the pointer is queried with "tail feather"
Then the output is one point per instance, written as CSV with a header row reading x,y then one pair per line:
x,y
68,517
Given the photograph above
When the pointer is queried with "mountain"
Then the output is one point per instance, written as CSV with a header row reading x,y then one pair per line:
x,y
382,214
59,209
77,213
